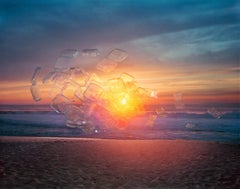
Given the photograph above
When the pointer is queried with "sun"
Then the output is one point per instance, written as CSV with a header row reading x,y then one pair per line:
x,y
124,101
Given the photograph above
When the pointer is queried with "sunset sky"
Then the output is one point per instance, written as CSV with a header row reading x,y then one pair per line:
x,y
186,46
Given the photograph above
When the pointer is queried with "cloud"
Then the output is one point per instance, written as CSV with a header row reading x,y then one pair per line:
x,y
206,45
33,32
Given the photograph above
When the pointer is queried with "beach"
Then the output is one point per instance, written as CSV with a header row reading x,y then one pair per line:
x,y
51,162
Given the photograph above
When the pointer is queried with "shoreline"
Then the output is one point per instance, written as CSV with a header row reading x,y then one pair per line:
x,y
96,138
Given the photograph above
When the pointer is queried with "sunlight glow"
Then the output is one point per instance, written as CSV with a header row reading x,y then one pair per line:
x,y
124,101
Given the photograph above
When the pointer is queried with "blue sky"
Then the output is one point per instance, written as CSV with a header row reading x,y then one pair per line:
x,y
186,34
33,32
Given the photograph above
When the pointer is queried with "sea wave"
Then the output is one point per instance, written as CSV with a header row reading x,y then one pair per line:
x,y
170,126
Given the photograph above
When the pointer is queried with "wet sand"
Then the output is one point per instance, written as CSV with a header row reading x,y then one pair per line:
x,y
33,162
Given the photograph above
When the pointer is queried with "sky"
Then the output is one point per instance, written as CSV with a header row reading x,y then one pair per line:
x,y
185,46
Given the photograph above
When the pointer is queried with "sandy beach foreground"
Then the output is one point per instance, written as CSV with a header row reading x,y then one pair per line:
x,y
31,162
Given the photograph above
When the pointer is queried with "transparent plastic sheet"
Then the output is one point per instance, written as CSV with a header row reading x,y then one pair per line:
x,y
35,91
64,61
90,52
79,93
115,85
94,78
60,103
117,55
106,65
61,78
127,78
109,63
93,92
54,91
75,114
142,92
178,100
215,113
35,76
85,99
69,90
48,77
69,53
79,76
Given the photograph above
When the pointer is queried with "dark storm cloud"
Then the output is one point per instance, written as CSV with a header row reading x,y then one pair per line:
x,y
32,32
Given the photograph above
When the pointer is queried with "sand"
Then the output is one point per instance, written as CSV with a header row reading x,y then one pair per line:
x,y
33,162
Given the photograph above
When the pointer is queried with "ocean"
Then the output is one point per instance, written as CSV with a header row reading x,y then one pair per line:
x,y
40,120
